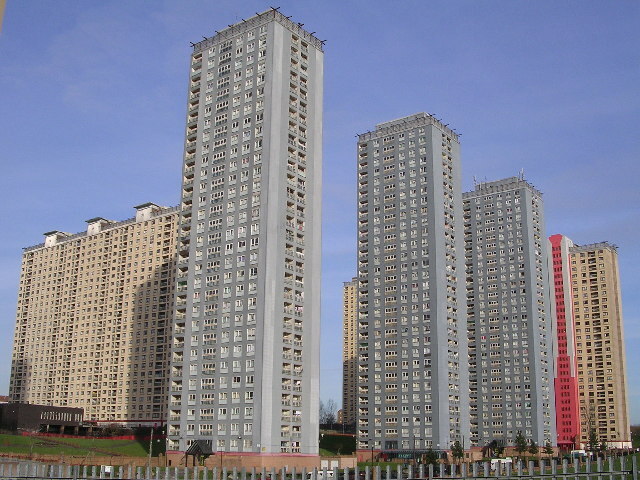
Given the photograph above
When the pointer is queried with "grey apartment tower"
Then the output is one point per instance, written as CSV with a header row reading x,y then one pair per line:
x,y
412,343
509,314
245,352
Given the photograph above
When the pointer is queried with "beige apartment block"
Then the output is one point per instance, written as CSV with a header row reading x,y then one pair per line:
x,y
602,382
94,318
349,351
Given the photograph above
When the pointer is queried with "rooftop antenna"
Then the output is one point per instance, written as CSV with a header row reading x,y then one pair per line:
x,y
475,182
521,175
192,44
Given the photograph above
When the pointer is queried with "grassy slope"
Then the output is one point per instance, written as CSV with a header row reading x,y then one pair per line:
x,y
70,446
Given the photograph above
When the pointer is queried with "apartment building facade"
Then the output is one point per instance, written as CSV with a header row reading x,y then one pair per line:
x,y
600,349
412,345
509,315
94,319
565,364
349,351
245,352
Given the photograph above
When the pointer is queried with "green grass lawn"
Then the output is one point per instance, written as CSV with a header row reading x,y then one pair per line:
x,y
337,444
72,446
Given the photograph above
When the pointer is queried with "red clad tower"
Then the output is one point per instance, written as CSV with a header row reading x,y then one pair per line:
x,y
565,369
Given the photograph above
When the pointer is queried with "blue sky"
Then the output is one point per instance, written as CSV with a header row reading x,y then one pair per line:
x,y
93,102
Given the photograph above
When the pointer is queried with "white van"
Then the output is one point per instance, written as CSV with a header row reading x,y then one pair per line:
x,y
320,475
500,463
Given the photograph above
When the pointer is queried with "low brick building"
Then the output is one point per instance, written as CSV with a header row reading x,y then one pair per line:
x,y
34,418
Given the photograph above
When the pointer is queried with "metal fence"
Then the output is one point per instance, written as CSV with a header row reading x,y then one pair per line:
x,y
612,468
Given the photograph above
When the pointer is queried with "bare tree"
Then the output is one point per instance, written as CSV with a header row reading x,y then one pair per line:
x,y
328,411
589,414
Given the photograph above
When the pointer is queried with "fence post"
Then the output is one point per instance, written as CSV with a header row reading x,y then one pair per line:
x,y
623,465
611,466
421,470
387,473
634,467
599,466
367,474
463,470
399,472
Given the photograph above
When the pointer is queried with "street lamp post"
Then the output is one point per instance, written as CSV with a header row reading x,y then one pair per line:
x,y
371,444
414,450
150,447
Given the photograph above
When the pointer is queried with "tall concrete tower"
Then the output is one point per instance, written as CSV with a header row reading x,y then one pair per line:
x,y
349,351
245,353
509,314
412,344
600,350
